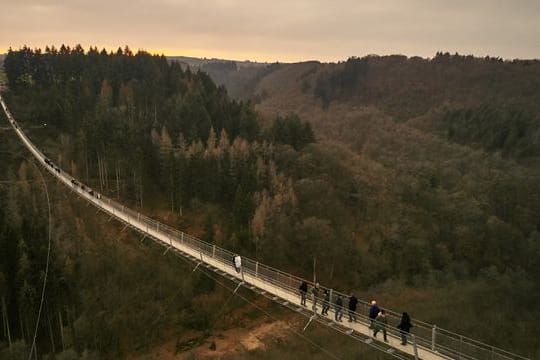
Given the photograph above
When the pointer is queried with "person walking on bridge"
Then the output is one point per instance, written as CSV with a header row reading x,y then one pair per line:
x,y
404,327
373,312
303,293
315,292
380,324
339,308
326,302
353,301
237,262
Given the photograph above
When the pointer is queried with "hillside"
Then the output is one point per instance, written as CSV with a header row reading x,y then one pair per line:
x,y
445,154
487,103
392,201
237,75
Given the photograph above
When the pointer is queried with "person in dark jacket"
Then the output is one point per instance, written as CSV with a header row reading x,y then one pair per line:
x,y
339,308
373,312
404,327
353,301
326,302
303,292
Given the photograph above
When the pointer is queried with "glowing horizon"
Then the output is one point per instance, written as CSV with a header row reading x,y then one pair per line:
x,y
281,30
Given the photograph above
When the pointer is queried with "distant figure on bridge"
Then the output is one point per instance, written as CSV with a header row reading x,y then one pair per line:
x,y
339,308
315,292
380,324
353,301
373,312
303,293
326,302
237,262
404,327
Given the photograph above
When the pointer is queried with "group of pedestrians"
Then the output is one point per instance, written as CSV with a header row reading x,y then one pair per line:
x,y
378,321
326,302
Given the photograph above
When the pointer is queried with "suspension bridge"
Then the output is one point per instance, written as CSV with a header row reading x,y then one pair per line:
x,y
426,341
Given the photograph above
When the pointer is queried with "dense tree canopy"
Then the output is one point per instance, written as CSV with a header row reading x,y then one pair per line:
x,y
393,204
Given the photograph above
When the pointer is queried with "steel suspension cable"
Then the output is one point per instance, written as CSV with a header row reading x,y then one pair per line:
x,y
46,264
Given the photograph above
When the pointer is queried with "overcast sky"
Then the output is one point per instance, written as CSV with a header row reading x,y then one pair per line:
x,y
279,30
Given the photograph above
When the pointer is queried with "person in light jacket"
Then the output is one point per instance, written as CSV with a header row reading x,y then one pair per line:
x,y
315,292
380,325
237,262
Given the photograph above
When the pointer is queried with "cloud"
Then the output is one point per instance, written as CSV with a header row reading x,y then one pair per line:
x,y
280,29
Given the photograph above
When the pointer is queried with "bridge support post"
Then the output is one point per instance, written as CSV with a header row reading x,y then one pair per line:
x,y
182,237
433,336
238,287
330,300
309,321
415,347
460,345
213,251
257,269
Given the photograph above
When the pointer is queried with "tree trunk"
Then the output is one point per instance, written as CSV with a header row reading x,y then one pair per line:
x,y
105,175
4,322
141,190
314,269
61,329
23,337
53,349
6,319
117,181
172,197
72,329
86,164
100,174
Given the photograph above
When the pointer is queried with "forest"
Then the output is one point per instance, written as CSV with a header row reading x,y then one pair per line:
x,y
392,206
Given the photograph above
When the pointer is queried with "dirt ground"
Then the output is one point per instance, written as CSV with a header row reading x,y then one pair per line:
x,y
226,343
